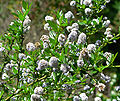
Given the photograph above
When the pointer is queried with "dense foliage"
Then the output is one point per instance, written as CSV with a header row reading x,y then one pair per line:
x,y
64,65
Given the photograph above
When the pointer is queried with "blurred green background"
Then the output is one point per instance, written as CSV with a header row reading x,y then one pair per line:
x,y
41,8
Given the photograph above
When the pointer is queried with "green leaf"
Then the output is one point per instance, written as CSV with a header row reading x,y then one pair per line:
x,y
15,14
1,93
24,4
53,25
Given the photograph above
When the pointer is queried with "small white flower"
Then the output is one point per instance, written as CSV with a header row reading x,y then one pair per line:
x,y
47,27
53,62
100,87
91,47
35,97
72,3
48,18
64,68
22,56
42,64
80,63
83,97
106,23
61,39
109,36
96,20
26,21
97,99
30,46
45,38
69,28
72,36
11,23
108,29
88,11
75,25
86,87
87,2
81,38
45,45
76,98
38,90
69,15
107,1
4,76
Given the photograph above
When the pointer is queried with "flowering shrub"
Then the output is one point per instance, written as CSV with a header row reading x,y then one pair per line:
x,y
67,64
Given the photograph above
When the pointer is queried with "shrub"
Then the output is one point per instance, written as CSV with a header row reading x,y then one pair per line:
x,y
67,64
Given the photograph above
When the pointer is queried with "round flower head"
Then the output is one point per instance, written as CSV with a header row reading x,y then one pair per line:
x,y
76,98
109,36
97,99
64,68
30,46
35,97
75,25
47,27
87,11
69,28
87,2
82,38
61,39
72,3
53,62
80,63
42,64
100,87
91,47
38,90
72,36
69,15
83,97
48,18
45,38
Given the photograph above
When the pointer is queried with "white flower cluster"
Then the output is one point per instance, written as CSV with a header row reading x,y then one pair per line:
x,y
26,23
108,33
72,3
64,68
95,20
49,18
80,63
47,26
97,99
61,39
42,64
30,46
105,78
100,87
1,48
87,2
4,76
69,15
108,56
37,94
81,39
106,23
88,11
53,62
83,97
91,48
72,36
45,39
